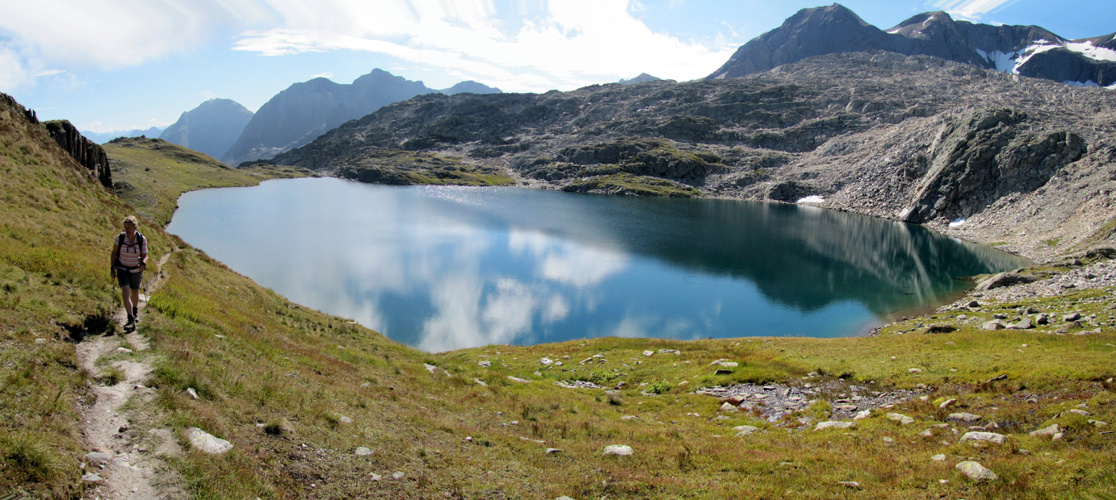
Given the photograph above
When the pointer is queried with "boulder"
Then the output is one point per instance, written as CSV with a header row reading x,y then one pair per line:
x,y
993,325
621,450
902,419
984,437
1006,279
964,417
833,424
976,472
207,442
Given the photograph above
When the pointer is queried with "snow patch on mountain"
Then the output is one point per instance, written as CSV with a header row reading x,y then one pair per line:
x,y
1005,62
1093,52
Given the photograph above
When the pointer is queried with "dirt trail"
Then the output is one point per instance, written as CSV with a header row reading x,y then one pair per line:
x,y
132,466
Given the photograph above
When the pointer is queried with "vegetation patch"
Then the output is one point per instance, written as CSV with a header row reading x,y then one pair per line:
x,y
631,185
404,168
150,174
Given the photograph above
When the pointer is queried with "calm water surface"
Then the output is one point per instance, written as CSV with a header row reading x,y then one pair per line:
x,y
443,268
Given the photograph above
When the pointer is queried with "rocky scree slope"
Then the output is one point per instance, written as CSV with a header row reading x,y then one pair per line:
x,y
1028,163
1023,50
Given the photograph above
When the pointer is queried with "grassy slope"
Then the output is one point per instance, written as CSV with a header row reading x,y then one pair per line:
x,y
276,380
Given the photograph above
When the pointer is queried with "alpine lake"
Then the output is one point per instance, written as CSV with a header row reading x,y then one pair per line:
x,y
443,268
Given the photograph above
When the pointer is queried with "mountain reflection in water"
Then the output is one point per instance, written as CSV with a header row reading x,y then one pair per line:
x,y
448,267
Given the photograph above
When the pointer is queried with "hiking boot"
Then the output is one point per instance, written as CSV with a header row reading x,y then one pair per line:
x,y
131,322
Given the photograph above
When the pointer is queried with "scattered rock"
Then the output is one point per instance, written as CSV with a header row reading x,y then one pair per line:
x,y
964,417
976,472
517,379
927,433
833,424
192,392
1076,411
628,417
1005,280
363,452
1042,319
985,437
551,451
480,382
97,458
207,442
344,420
397,475
850,484
675,352
618,449
1049,430
546,361
1071,317
728,407
745,430
429,367
946,403
863,415
941,329
938,458
993,325
485,364
1023,324
92,478
375,477
1098,423
648,353
899,417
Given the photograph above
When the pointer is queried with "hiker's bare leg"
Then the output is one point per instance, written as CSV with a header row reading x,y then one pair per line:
x,y
127,292
135,298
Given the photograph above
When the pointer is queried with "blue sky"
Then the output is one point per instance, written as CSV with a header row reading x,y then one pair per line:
x,y
109,65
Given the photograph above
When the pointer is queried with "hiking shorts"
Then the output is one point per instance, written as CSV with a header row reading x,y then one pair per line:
x,y
129,279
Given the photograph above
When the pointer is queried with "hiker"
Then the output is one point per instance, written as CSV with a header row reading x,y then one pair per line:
x,y
129,259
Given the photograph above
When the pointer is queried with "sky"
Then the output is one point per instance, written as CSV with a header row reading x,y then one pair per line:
x,y
114,65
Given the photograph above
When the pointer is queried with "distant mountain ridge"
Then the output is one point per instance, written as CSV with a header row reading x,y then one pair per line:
x,y
471,87
103,137
210,128
1024,50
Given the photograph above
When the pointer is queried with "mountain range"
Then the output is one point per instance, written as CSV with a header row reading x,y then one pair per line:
x,y
306,110
210,128
1024,50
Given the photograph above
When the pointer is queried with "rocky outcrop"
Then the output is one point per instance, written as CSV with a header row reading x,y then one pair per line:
x,y
86,152
1025,50
978,159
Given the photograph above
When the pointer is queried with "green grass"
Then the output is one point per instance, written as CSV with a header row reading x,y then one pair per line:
x,y
632,185
400,167
297,391
150,174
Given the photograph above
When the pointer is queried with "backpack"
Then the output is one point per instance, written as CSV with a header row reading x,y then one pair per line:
x,y
122,241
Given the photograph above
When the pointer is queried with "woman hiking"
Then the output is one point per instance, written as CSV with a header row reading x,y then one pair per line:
x,y
129,259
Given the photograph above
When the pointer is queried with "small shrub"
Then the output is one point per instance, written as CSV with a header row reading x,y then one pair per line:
x,y
113,376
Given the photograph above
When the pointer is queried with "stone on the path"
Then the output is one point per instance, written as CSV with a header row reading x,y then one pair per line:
x,y
899,417
976,472
362,451
938,458
517,379
964,417
993,325
863,415
984,437
833,424
97,458
207,442
622,450
397,475
648,353
192,392
92,478
1049,430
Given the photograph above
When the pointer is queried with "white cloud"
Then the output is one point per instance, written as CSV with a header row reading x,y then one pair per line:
x,y
322,75
970,10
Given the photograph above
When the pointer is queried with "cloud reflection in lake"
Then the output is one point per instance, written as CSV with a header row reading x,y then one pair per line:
x,y
446,268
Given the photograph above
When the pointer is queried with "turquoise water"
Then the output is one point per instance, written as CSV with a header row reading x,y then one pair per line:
x,y
443,268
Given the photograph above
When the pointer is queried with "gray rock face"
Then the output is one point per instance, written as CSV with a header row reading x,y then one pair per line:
x,y
836,29
210,128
